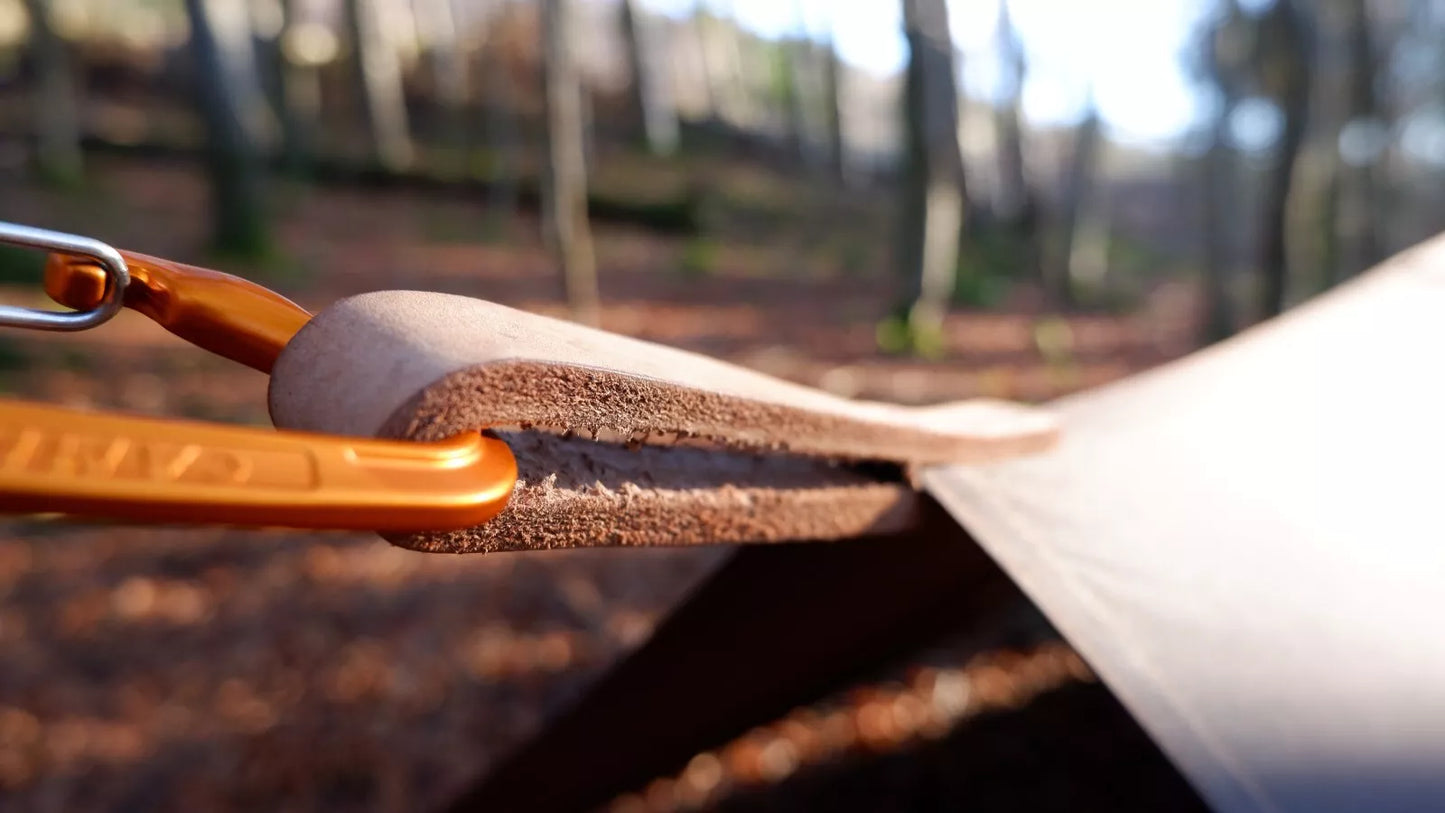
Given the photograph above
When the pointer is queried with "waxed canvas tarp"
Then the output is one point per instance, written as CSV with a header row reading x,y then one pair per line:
x,y
1249,547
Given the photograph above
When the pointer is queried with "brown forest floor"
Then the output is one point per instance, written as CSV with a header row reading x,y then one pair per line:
x,y
149,668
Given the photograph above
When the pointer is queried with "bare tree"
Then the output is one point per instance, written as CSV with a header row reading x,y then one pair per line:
x,y
1358,193
653,116
376,69
1017,205
233,107
500,126
702,27
791,58
447,62
295,90
1090,260
797,81
1224,62
503,138
933,205
57,151
731,65
447,59
833,76
1315,244
1078,188
1285,75
1015,199
565,194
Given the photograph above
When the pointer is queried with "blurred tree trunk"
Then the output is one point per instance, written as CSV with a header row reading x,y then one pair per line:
x,y
1090,261
735,82
1015,197
447,62
1018,208
796,67
1326,228
791,59
1286,73
566,173
960,103
589,123
233,108
1358,191
833,99
1316,240
1225,55
503,138
933,206
445,55
296,92
376,69
712,95
638,96
503,149
653,118
1078,188
1218,191
57,119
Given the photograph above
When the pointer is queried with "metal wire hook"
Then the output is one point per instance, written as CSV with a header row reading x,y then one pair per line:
x,y
117,277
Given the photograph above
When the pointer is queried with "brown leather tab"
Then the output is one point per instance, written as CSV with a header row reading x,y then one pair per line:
x,y
701,451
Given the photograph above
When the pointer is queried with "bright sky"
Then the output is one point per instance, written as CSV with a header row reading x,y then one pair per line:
x,y
1128,51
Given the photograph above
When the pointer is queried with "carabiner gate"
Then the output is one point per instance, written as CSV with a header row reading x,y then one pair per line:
x,y
107,304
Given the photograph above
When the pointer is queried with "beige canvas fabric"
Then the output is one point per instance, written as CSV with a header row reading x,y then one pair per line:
x,y
1248,545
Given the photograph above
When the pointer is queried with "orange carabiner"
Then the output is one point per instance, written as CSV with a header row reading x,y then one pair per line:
x,y
155,470
224,314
